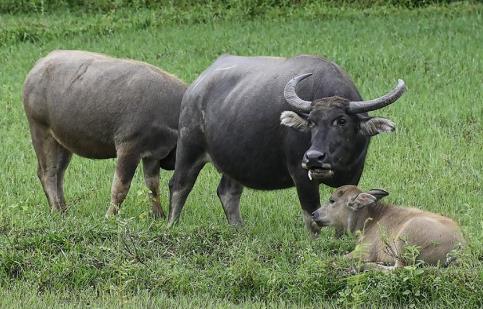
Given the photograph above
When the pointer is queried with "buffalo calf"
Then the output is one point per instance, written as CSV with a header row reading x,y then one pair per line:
x,y
100,107
388,230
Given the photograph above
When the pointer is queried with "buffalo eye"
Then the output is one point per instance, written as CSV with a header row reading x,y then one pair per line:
x,y
339,122
310,123
331,200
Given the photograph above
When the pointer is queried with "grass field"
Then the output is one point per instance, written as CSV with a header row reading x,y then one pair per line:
x,y
433,161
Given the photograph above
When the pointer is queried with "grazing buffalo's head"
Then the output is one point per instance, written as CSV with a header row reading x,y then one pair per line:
x,y
347,209
339,128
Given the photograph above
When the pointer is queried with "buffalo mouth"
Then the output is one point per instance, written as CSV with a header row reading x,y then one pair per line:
x,y
319,219
322,223
324,171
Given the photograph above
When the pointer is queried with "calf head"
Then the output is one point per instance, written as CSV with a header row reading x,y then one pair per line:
x,y
347,209
339,128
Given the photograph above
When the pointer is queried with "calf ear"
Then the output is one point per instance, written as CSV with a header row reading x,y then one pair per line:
x,y
362,200
378,193
294,120
376,125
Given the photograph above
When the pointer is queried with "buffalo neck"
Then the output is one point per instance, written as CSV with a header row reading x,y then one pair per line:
x,y
375,212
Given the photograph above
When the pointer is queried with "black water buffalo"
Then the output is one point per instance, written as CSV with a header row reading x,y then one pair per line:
x,y
232,115
101,107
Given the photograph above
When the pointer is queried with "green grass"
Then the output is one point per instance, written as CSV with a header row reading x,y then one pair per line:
x,y
433,161
243,7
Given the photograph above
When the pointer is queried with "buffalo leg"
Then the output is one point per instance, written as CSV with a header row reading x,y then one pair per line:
x,y
310,201
229,192
53,160
125,169
189,162
151,178
180,186
63,159
309,197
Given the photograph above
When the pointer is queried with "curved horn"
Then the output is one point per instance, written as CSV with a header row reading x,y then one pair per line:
x,y
291,96
356,107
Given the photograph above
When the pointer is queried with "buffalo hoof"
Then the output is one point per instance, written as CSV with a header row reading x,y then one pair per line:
x,y
158,213
112,211
237,225
59,209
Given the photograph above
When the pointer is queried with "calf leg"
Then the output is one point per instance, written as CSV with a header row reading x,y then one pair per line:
x,y
381,267
151,178
52,159
229,192
125,169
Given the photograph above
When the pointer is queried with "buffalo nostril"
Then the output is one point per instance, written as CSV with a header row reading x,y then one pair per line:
x,y
315,215
314,155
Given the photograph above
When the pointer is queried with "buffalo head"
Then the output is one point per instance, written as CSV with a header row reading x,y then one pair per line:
x,y
339,128
347,209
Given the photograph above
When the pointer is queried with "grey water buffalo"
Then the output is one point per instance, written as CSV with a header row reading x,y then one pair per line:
x,y
101,107
271,123
387,230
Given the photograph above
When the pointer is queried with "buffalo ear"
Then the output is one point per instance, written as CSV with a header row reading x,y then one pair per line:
x,y
362,200
375,125
294,120
378,193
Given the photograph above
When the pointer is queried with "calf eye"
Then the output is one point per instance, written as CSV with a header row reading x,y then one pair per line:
x,y
331,200
339,122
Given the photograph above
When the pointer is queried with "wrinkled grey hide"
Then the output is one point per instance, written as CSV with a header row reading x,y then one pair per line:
x,y
101,107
